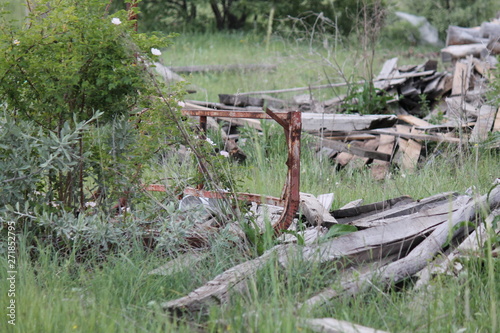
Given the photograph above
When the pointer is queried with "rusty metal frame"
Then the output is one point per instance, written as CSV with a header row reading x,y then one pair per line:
x,y
292,125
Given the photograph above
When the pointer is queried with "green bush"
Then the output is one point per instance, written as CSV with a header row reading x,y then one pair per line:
x,y
66,64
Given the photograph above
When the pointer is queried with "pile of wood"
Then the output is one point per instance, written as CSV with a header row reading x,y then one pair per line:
x,y
395,239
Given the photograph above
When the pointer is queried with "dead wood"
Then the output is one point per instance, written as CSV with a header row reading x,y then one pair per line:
x,y
460,51
459,36
347,214
331,325
472,244
223,68
417,259
424,137
314,122
380,169
352,149
314,211
217,290
484,124
398,207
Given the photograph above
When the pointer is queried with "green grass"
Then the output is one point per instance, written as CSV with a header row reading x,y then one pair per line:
x,y
298,63
58,292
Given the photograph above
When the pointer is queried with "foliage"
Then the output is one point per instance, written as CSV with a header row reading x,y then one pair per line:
x,y
443,13
64,66
366,100
203,15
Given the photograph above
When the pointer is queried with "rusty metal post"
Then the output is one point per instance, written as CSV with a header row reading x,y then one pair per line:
x,y
291,190
292,125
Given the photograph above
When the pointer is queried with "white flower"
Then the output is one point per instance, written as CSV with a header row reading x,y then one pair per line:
x,y
155,51
224,153
181,104
90,204
16,42
116,21
210,141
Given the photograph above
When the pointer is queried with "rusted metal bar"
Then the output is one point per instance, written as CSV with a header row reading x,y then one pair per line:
x,y
251,197
292,125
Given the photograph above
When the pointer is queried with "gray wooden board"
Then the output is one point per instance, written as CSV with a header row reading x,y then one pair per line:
x,y
342,147
383,240
388,208
313,122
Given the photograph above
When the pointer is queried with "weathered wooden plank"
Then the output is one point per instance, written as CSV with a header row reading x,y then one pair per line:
x,y
348,214
484,124
424,137
411,149
331,325
389,69
353,149
314,122
217,290
412,120
383,210
314,211
380,169
461,78
416,260
326,200
473,243
383,240
352,204
460,51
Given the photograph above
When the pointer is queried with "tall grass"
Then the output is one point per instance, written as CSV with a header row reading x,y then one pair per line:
x,y
60,293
